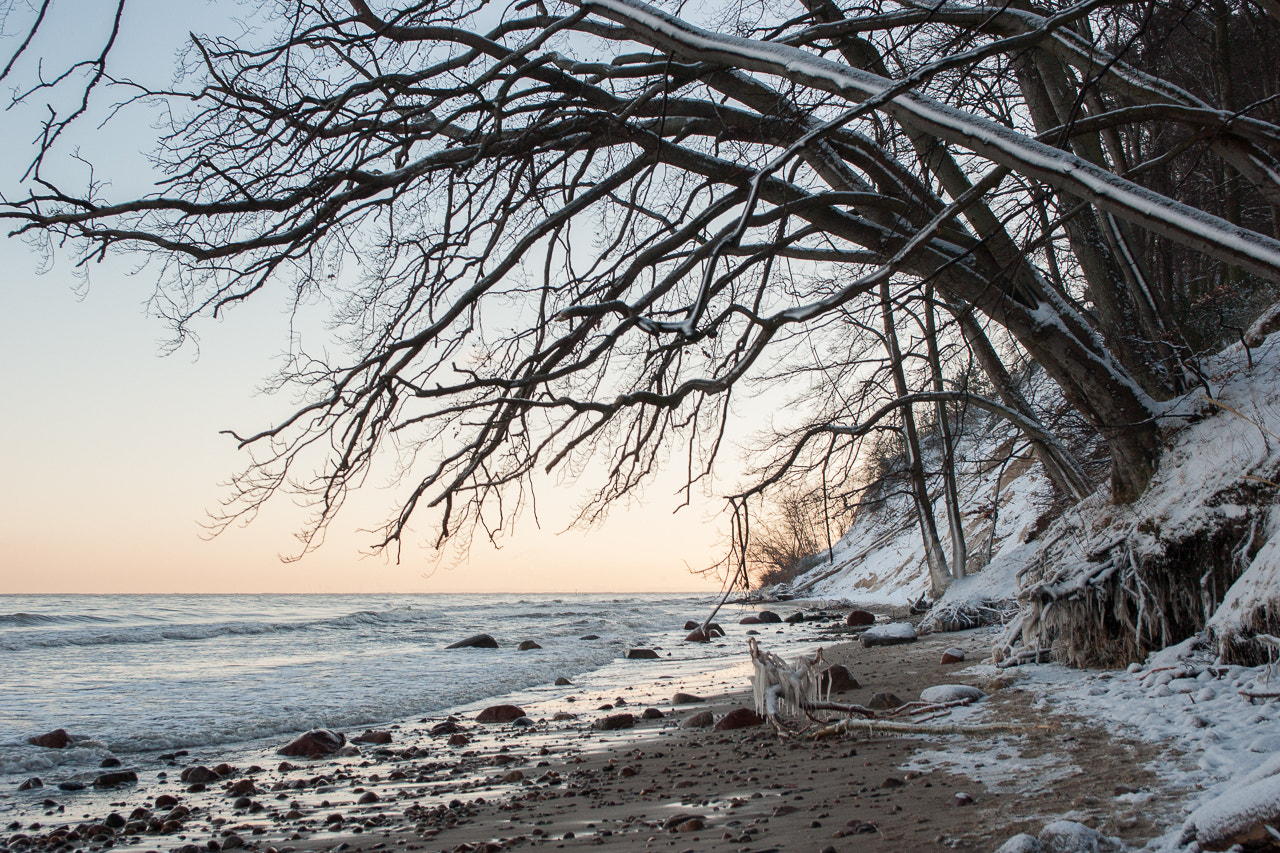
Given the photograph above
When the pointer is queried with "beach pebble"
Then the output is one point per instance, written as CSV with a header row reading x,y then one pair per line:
x,y
527,645
369,797
56,739
561,716
739,718
652,714
499,714
589,637
476,641
700,720
859,618
110,761
889,635
314,743
641,654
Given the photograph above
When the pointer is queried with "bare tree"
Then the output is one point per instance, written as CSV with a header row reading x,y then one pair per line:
x,y
570,229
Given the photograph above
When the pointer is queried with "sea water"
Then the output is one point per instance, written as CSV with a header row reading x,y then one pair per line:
x,y
135,675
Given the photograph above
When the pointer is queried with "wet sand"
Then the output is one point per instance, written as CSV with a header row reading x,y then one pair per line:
x,y
562,784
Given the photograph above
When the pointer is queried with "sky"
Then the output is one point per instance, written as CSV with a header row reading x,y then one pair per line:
x,y
112,456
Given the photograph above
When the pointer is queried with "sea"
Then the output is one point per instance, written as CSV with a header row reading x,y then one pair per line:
x,y
137,676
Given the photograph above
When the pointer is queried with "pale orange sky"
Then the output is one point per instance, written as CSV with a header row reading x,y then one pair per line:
x,y
111,456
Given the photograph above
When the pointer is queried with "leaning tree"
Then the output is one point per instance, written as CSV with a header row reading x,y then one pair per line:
x,y
560,230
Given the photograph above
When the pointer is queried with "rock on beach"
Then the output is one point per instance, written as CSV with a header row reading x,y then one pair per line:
x,y
641,654
500,714
739,718
891,634
314,743
477,641
56,739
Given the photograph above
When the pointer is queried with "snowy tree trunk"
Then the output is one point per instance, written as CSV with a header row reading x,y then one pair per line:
x,y
951,492
939,576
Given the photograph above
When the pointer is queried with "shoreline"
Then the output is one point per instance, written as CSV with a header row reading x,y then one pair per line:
x,y
564,784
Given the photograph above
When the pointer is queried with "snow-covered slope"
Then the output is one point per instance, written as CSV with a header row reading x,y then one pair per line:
x,y
880,560
1101,583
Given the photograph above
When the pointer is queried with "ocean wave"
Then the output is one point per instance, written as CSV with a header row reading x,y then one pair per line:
x,y
32,620
132,635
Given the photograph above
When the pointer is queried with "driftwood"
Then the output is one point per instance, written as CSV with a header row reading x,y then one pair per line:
x,y
871,727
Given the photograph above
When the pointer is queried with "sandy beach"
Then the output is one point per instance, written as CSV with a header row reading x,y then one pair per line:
x,y
564,784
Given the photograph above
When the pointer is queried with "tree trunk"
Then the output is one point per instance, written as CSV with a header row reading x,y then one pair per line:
x,y
951,492
939,576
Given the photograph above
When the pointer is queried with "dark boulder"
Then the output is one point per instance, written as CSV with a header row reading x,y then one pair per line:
x,y
563,682
641,654
885,702
372,736
589,637
768,617
199,775
614,721
30,784
314,743
690,625
700,720
686,699
652,714
500,714
526,645
795,618
860,618
750,620
739,718
697,635
56,739
115,779
837,679
479,641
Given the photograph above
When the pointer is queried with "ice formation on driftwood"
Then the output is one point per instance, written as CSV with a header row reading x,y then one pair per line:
x,y
776,682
